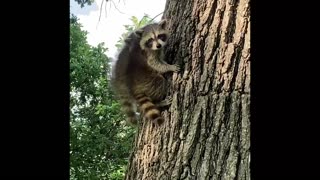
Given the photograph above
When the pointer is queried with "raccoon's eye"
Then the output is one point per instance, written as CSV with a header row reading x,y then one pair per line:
x,y
163,37
149,43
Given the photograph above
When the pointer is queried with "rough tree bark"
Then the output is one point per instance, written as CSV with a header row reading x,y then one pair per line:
x,y
206,134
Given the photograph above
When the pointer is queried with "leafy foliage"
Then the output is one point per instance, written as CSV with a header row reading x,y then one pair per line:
x,y
100,142
136,24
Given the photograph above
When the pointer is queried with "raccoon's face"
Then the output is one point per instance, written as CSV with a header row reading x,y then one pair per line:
x,y
153,36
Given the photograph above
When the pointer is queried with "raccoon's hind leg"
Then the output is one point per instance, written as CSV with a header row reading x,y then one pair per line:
x,y
149,109
127,106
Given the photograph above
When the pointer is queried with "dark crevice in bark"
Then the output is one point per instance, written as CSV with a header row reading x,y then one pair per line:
x,y
223,137
212,12
215,48
235,59
238,146
196,135
201,58
238,166
228,103
231,27
223,164
219,86
208,22
211,73
245,75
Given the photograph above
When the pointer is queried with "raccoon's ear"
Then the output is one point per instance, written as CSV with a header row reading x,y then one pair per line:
x,y
127,40
163,23
139,32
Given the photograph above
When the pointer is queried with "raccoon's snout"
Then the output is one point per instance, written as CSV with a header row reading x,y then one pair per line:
x,y
158,46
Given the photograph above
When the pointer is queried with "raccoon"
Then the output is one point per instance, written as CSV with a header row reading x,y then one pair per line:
x,y
137,74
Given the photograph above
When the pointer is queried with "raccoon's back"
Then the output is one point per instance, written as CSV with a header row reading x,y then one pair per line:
x,y
131,67
129,58
119,68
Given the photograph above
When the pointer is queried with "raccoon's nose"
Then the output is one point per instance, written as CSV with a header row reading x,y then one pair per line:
x,y
158,45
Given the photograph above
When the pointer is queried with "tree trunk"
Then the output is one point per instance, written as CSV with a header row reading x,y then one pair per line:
x,y
206,133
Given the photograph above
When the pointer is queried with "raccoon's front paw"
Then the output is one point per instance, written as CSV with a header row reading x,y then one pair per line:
x,y
175,67
165,102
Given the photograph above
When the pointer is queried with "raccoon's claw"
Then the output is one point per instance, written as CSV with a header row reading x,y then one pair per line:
x,y
165,102
168,100
176,68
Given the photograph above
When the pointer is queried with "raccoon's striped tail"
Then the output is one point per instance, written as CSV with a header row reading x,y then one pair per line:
x,y
149,110
128,109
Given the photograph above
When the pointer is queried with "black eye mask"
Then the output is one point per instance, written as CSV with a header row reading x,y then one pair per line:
x,y
149,43
163,37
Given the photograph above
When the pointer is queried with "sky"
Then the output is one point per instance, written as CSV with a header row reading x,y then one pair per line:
x,y
112,21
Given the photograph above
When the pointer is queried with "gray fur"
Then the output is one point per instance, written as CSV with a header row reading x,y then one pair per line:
x,y
139,68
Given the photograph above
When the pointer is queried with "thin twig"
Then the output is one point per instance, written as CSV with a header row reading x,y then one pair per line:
x,y
105,9
155,17
109,6
101,9
116,7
